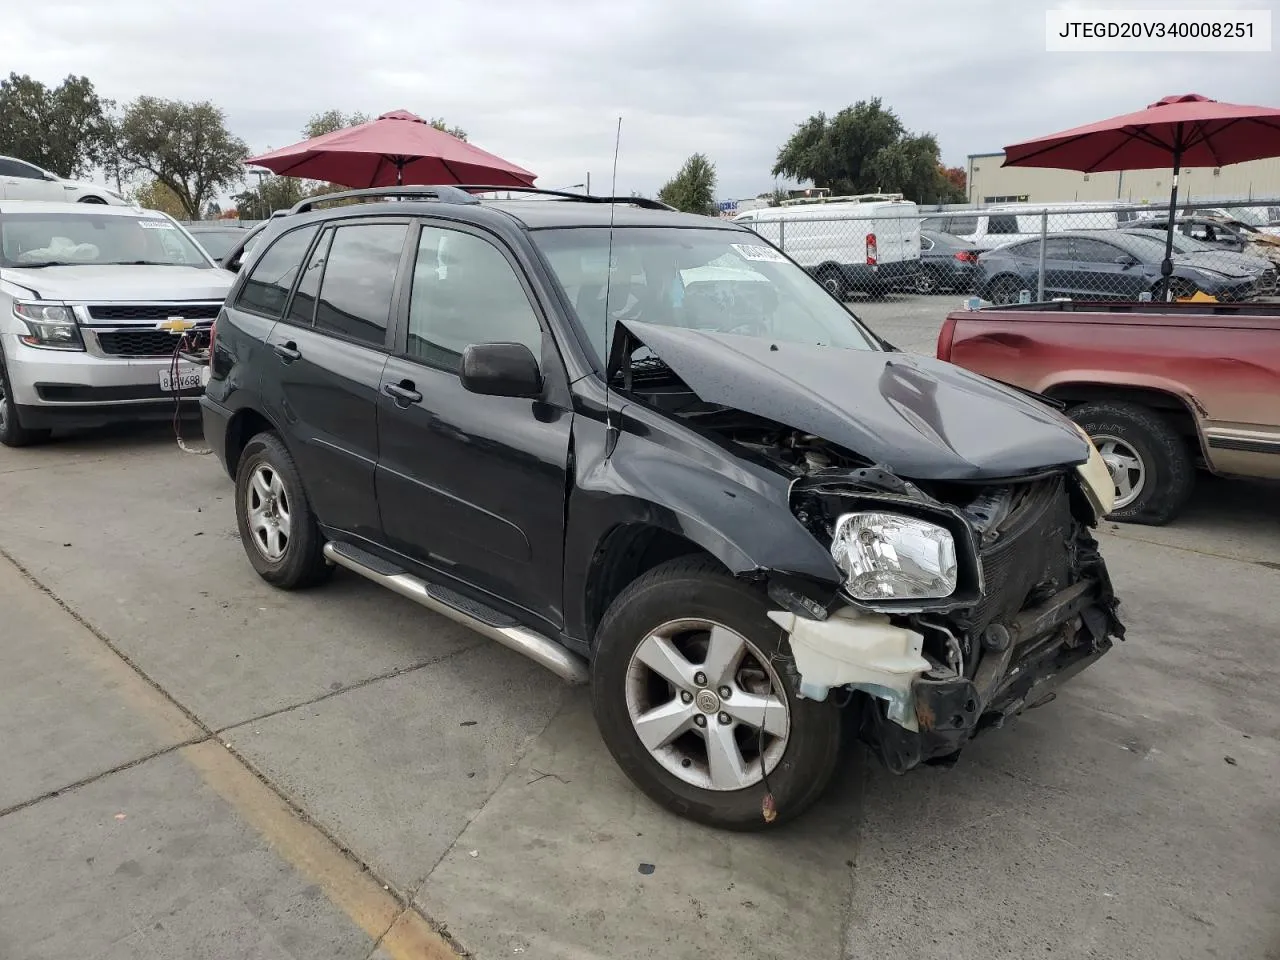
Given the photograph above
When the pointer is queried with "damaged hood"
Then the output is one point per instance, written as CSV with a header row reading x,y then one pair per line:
x,y
921,418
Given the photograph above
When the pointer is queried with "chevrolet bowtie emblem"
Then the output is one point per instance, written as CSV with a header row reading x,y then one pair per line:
x,y
176,324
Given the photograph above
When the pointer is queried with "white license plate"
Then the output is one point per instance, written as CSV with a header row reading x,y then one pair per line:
x,y
189,378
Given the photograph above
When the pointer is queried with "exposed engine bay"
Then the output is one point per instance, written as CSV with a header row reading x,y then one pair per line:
x,y
1030,602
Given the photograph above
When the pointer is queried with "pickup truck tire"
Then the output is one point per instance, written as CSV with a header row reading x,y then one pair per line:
x,y
1161,473
277,527
685,616
12,432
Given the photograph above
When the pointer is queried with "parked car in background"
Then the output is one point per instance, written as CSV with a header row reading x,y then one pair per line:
x,y
1002,224
20,180
947,263
219,237
1161,388
869,243
1232,235
645,448
1098,265
1209,254
93,302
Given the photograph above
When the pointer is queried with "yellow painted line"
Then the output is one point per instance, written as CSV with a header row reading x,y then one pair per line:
x,y
311,853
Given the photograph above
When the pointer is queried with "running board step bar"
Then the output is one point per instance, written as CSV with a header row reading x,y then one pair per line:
x,y
489,623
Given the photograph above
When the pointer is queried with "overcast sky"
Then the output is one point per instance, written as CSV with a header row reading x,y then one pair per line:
x,y
543,84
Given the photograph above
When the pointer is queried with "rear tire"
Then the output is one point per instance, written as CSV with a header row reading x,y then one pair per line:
x,y
1004,290
926,283
834,281
277,526
1146,456
677,600
12,432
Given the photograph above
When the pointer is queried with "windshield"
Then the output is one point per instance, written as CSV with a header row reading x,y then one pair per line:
x,y
1181,242
73,239
722,281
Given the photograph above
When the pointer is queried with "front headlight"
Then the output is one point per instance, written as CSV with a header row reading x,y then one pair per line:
x,y
49,325
888,556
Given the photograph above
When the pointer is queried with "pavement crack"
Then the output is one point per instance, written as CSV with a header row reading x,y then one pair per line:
x,y
110,645
94,778
330,694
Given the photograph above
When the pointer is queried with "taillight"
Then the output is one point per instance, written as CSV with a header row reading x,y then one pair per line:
x,y
967,256
871,249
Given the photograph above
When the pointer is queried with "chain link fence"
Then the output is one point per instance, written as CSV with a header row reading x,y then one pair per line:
x,y
881,247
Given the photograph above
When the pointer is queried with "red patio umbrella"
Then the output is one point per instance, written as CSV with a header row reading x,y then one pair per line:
x,y
1187,129
396,148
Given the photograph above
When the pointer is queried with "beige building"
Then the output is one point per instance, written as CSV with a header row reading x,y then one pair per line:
x,y
991,183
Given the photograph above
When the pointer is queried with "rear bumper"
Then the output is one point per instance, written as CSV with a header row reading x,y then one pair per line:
x,y
863,276
215,419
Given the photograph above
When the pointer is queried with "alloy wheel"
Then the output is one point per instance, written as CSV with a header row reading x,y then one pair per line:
x,y
707,705
270,521
1128,472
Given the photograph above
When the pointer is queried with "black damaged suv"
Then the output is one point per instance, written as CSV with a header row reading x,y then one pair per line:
x,y
646,449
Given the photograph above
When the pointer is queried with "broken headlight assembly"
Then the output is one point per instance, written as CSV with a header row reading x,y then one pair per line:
x,y
889,556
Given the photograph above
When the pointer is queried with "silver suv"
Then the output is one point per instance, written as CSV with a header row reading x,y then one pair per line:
x,y
94,302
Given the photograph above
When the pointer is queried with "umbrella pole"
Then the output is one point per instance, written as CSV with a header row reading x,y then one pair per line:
x,y
1166,267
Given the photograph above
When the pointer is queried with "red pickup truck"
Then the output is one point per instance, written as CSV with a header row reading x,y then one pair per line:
x,y
1162,388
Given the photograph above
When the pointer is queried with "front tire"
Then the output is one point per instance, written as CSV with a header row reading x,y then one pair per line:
x,y
277,527
691,696
12,432
833,279
1149,463
1004,291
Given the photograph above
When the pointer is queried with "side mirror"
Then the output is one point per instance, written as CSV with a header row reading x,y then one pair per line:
x,y
501,370
1125,260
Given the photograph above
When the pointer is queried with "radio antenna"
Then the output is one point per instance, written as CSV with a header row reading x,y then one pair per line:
x,y
610,427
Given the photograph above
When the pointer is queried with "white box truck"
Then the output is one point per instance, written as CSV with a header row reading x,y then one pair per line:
x,y
868,243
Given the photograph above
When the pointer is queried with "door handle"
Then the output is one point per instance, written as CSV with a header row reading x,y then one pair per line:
x,y
403,392
288,352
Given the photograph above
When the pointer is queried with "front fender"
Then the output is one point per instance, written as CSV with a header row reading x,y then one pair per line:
x,y
734,510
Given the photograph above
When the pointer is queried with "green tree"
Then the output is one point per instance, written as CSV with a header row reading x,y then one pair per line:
x,y
65,129
185,146
440,124
865,148
271,194
693,189
154,195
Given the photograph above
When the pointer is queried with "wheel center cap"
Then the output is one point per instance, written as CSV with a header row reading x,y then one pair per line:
x,y
707,701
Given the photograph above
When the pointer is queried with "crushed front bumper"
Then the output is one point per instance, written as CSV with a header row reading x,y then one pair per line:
x,y
916,712
1045,646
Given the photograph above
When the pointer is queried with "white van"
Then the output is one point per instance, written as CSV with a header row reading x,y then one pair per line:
x,y
869,242
995,226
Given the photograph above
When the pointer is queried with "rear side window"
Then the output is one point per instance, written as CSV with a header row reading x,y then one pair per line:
x,y
359,281
267,287
963,226
1002,224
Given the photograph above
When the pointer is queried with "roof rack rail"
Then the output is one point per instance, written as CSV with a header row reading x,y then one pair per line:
x,y
441,194
643,202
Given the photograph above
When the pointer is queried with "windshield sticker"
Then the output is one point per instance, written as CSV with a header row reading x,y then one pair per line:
x,y
758,252
155,224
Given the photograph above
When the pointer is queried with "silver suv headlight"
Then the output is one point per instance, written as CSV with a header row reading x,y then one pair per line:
x,y
51,326
888,556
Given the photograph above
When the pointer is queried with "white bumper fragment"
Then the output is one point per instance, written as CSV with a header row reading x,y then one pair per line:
x,y
857,649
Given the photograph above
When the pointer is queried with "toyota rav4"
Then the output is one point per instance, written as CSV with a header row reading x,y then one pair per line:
x,y
648,450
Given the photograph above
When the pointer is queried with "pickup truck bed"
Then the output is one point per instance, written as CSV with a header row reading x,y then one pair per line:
x,y
1161,387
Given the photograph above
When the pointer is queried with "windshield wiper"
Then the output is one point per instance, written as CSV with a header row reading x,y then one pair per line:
x,y
140,263
44,263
